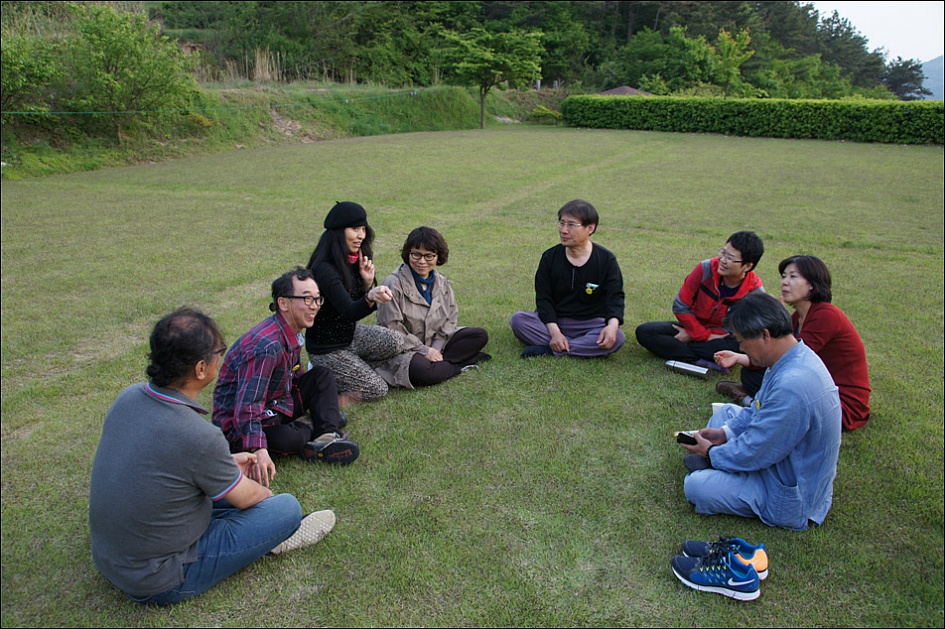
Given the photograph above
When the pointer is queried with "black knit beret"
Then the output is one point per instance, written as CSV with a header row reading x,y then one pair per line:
x,y
345,214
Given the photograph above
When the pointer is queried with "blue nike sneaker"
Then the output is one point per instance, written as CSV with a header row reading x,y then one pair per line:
x,y
720,573
744,552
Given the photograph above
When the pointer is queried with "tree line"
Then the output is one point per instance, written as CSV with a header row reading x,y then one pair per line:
x,y
747,49
111,65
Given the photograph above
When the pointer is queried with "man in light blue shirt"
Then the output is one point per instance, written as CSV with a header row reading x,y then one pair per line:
x,y
775,460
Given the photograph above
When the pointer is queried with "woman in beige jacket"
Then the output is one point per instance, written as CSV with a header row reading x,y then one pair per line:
x,y
423,311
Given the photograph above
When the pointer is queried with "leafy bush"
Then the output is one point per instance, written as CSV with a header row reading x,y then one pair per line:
x,y
110,68
856,120
122,70
543,115
29,65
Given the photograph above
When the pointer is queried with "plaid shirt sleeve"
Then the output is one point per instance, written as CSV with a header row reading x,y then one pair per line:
x,y
264,387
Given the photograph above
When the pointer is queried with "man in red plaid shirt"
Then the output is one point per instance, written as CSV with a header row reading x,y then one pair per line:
x,y
266,402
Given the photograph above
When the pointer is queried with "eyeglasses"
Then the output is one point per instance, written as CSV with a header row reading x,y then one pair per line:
x,y
220,352
728,257
308,299
570,224
429,257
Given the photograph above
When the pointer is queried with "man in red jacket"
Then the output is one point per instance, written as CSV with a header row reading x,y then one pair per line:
x,y
702,303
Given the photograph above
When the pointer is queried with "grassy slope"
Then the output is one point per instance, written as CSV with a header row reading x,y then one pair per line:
x,y
222,119
546,492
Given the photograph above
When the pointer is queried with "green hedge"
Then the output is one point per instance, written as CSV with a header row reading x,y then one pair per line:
x,y
916,122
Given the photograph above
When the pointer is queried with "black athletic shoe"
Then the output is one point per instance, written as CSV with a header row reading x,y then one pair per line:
x,y
537,350
331,448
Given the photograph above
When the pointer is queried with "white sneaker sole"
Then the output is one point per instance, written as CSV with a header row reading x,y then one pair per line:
x,y
313,529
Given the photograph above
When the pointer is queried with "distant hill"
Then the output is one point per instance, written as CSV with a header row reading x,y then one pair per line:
x,y
934,71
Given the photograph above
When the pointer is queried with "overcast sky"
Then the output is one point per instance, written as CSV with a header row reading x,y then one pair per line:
x,y
911,30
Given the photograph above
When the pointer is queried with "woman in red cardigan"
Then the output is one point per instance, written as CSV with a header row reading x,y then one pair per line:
x,y
805,285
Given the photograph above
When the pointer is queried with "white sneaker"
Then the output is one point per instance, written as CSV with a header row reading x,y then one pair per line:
x,y
314,527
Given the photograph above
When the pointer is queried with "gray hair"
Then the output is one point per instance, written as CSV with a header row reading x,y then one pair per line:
x,y
756,312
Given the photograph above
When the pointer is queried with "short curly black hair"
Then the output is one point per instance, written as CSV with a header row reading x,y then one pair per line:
x,y
178,342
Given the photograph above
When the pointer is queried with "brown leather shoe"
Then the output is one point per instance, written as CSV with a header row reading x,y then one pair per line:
x,y
732,390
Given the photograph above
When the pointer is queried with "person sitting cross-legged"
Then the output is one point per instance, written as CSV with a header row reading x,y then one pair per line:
x,y
424,313
579,294
777,459
706,295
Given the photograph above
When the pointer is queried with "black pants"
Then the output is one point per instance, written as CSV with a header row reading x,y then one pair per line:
x,y
659,338
461,350
751,380
314,392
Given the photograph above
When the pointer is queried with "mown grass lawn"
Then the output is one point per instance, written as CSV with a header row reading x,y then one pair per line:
x,y
542,492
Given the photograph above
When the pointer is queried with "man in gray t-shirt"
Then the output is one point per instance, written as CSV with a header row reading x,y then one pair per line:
x,y
171,511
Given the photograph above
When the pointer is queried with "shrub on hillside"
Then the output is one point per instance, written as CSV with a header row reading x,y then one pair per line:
x,y
543,115
121,70
29,66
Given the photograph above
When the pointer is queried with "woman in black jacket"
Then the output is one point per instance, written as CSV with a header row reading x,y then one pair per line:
x,y
344,272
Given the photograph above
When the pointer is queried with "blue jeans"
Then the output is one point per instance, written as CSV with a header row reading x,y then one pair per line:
x,y
714,491
234,539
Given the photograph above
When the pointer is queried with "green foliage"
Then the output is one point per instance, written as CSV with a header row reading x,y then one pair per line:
x,y
38,17
484,59
380,42
678,60
543,115
679,48
858,121
566,37
219,120
679,64
790,25
192,15
31,58
904,78
603,44
108,66
359,111
732,53
799,77
654,84
706,90
122,70
841,44
29,65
